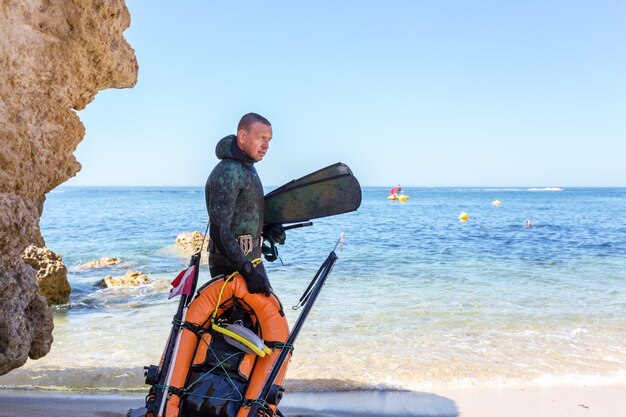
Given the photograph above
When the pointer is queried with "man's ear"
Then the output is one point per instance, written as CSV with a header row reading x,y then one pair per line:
x,y
241,136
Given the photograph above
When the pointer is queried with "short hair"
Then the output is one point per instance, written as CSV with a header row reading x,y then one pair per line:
x,y
249,119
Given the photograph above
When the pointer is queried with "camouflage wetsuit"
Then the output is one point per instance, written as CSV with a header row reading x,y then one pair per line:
x,y
234,200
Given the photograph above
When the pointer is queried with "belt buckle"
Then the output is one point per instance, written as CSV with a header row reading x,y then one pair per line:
x,y
245,243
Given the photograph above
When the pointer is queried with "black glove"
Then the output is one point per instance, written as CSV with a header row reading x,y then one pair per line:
x,y
256,279
274,233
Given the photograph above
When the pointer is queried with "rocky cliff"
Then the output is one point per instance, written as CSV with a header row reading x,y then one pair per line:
x,y
55,56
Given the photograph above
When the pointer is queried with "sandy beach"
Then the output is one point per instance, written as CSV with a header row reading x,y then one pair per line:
x,y
596,401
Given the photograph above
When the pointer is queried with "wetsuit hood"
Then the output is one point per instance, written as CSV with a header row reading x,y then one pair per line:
x,y
227,148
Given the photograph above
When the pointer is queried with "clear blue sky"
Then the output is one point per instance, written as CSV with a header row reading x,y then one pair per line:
x,y
421,93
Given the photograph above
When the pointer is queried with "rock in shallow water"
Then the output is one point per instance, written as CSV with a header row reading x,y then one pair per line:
x,y
51,274
131,279
100,263
189,243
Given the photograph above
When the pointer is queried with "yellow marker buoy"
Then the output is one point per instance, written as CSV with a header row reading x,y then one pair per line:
x,y
496,203
463,217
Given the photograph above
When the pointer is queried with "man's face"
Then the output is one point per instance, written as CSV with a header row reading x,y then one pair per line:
x,y
255,141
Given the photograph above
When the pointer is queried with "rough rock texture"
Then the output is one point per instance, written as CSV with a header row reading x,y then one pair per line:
x,y
130,279
100,263
51,274
189,243
55,56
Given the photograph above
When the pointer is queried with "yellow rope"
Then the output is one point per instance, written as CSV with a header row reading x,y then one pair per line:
x,y
261,352
219,298
255,262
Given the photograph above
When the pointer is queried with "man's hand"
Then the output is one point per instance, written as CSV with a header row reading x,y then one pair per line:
x,y
256,279
274,233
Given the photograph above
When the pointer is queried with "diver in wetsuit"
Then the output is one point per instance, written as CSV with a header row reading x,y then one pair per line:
x,y
234,200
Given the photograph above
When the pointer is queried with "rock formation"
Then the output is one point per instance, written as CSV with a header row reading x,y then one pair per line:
x,y
189,243
130,279
100,263
51,274
55,56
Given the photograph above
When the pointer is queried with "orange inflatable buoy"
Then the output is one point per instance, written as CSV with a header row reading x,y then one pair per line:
x,y
228,349
204,378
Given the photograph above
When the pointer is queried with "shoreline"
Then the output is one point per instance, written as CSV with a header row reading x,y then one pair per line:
x,y
553,401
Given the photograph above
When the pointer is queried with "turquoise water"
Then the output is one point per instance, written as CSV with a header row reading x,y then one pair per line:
x,y
417,299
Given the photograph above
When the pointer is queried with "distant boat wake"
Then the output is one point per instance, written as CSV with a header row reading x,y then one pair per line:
x,y
546,189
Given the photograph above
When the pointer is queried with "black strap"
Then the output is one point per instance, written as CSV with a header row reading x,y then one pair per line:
x,y
180,392
279,345
263,405
194,328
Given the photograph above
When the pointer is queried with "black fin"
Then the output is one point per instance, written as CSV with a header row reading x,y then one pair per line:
x,y
326,192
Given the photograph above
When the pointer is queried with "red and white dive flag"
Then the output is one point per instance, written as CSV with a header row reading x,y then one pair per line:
x,y
182,283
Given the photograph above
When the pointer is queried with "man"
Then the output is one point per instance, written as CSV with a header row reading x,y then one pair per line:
x,y
234,200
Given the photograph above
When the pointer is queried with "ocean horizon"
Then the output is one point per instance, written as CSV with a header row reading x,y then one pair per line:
x,y
417,299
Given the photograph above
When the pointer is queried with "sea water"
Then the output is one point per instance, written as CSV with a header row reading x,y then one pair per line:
x,y
417,298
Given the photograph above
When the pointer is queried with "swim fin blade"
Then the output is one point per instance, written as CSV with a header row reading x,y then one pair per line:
x,y
326,192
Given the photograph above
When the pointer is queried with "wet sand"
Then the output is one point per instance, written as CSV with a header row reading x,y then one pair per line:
x,y
596,401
